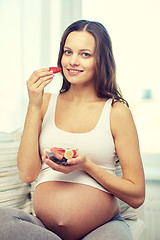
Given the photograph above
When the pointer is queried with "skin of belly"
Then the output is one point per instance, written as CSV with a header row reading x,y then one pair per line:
x,y
72,210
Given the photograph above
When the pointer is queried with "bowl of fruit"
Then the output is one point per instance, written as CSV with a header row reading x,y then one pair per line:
x,y
60,155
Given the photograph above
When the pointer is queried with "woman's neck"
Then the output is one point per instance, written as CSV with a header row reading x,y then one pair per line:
x,y
79,93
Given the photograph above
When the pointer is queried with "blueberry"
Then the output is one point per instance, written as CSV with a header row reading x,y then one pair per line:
x,y
52,157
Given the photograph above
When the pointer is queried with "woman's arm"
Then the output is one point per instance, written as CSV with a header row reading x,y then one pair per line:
x,y
28,160
131,188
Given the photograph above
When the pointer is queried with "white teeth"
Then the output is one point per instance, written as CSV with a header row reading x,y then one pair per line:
x,y
74,71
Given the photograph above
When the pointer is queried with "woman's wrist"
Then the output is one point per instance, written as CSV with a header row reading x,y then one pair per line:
x,y
87,165
34,109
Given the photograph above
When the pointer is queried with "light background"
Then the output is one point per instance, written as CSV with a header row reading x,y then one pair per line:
x,y
30,35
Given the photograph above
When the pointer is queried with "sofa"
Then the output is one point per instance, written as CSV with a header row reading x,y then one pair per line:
x,y
16,194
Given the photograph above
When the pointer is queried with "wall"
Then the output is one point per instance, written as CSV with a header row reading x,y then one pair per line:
x,y
30,35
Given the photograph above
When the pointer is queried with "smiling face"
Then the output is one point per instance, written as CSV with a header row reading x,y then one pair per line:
x,y
78,60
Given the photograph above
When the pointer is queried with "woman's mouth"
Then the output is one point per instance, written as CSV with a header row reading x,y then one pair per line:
x,y
74,71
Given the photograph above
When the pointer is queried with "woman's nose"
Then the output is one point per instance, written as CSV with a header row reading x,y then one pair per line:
x,y
74,60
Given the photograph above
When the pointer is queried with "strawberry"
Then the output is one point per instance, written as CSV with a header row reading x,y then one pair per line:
x,y
58,152
74,153
55,69
58,155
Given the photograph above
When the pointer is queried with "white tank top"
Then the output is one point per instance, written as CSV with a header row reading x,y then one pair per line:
x,y
97,145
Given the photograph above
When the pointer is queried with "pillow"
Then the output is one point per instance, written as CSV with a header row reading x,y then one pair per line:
x,y
127,212
13,192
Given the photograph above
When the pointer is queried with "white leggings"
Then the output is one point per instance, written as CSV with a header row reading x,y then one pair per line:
x,y
18,225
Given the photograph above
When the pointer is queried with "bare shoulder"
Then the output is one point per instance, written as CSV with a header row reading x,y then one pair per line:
x,y
121,117
119,109
46,99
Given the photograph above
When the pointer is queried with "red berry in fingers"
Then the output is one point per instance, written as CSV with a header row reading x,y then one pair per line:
x,y
55,69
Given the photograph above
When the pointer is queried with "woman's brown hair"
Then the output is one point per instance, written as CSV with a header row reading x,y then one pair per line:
x,y
105,70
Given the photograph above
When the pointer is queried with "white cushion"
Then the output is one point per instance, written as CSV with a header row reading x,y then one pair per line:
x,y
13,192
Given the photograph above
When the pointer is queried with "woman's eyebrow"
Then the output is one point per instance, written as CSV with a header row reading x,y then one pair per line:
x,y
81,50
85,49
67,47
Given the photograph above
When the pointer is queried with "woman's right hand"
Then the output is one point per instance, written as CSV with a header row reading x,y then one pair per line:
x,y
36,84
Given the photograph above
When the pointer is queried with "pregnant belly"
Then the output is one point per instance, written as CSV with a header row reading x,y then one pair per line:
x,y
72,210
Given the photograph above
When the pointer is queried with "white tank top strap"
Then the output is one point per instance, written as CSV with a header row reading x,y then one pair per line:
x,y
50,113
104,120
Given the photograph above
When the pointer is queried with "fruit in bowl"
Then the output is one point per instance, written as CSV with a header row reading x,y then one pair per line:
x,y
60,155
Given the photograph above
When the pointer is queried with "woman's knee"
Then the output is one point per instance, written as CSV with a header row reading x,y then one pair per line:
x,y
6,213
8,216
114,229
13,214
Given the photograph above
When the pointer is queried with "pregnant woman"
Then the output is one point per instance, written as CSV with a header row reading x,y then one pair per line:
x,y
89,113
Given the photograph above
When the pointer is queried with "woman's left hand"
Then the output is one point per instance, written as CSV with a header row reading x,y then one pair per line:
x,y
73,164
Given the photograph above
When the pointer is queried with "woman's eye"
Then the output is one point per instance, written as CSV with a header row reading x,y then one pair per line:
x,y
85,54
67,52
